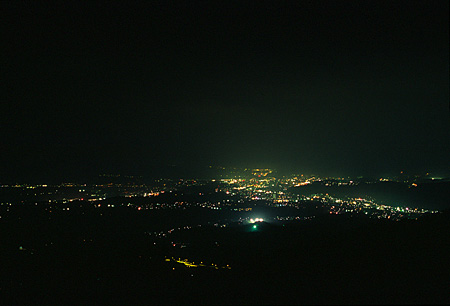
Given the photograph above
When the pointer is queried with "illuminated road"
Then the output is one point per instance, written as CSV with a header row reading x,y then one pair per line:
x,y
194,265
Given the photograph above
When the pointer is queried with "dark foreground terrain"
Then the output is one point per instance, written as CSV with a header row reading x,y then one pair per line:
x,y
94,258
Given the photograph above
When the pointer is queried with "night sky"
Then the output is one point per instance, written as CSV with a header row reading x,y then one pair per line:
x,y
324,87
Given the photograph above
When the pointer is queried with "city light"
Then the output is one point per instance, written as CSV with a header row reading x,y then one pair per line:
x,y
256,220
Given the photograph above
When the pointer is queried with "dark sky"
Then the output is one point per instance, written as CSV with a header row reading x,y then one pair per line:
x,y
329,87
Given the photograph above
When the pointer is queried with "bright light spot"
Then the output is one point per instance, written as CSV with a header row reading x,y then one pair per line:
x,y
256,220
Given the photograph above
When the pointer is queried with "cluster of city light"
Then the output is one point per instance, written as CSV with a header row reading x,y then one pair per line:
x,y
256,220
291,218
368,207
302,183
274,191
